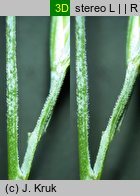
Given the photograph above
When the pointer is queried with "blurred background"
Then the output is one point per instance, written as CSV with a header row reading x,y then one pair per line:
x,y
106,46
54,156
57,155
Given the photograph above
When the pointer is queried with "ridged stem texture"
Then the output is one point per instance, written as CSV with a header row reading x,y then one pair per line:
x,y
82,100
116,118
12,98
133,67
59,64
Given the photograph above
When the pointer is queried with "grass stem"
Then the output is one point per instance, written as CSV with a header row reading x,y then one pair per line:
x,y
82,100
59,65
12,98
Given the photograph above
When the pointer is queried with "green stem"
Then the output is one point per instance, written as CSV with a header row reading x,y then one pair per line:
x,y
41,126
82,100
12,98
57,77
118,111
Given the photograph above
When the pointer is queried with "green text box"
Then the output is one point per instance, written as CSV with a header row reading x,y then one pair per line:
x,y
60,7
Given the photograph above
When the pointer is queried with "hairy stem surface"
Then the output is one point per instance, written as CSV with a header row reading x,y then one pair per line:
x,y
12,98
60,63
58,71
133,66
117,114
82,100
42,124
